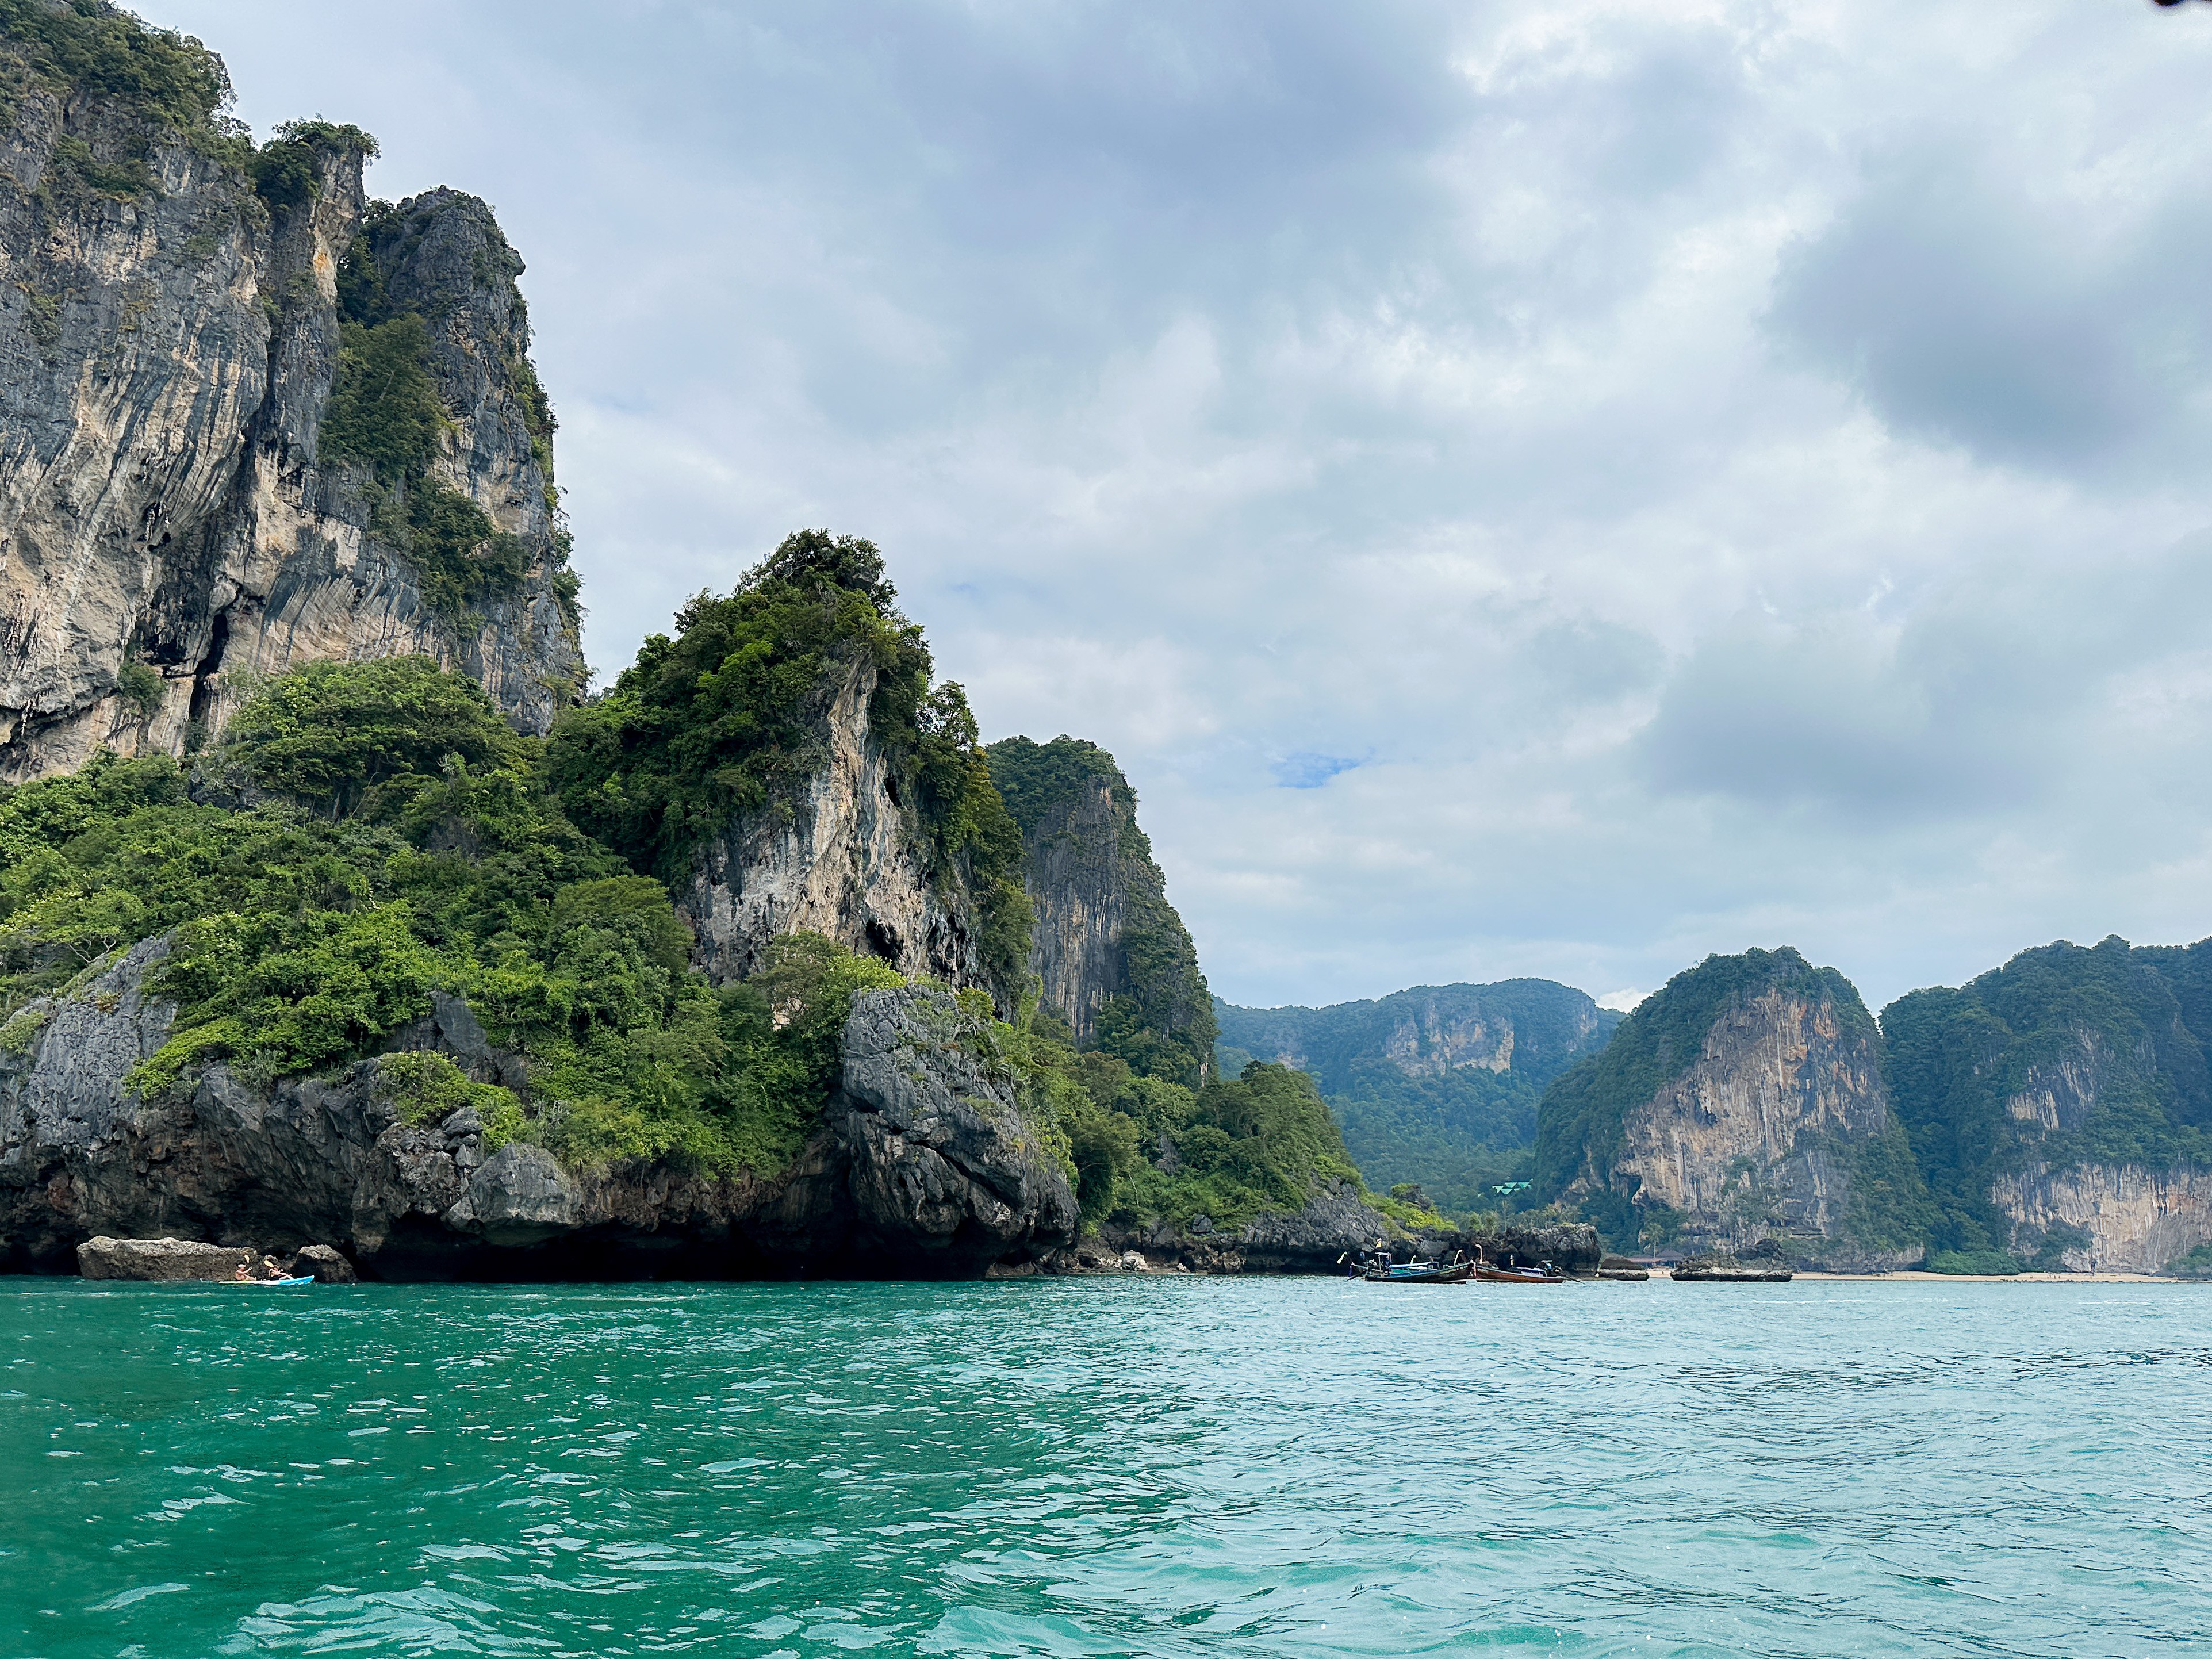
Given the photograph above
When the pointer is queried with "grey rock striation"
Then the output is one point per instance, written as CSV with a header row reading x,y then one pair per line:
x,y
844,859
169,529
924,1165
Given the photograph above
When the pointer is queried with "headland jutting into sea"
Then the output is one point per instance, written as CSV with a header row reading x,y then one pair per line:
x,y
335,915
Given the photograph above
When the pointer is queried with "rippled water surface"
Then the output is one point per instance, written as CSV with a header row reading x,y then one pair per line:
x,y
1106,1466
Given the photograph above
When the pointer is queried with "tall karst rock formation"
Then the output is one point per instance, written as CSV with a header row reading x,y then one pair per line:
x,y
247,418
1111,956
785,764
2062,1105
1744,1101
251,420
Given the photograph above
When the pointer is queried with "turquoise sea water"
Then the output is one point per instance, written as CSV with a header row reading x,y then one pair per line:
x,y
1106,1466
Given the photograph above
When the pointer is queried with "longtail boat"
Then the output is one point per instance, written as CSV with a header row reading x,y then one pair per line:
x,y
1422,1273
1493,1274
1377,1268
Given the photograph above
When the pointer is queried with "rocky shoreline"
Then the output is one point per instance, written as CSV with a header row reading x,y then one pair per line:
x,y
922,1165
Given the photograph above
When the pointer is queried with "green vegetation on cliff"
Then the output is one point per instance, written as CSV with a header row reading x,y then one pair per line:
x,y
1148,1149
2100,1047
387,414
126,85
88,46
726,720
370,833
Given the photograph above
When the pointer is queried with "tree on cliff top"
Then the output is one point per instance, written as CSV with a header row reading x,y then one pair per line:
x,y
88,46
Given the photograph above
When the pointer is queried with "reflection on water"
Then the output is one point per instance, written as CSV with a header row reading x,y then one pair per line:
x,y
1103,1467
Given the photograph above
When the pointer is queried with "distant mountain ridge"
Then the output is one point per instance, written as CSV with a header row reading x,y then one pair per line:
x,y
1436,1084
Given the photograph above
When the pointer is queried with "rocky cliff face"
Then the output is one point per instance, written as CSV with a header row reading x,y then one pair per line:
x,y
1743,1101
2107,1217
1111,956
168,527
1755,1138
842,858
924,1164
2060,1104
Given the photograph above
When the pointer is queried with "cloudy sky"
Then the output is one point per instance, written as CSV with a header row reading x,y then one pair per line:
x,y
1524,487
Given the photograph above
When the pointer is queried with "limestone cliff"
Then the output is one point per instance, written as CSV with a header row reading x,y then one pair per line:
x,y
1437,1085
1110,956
1744,1101
2105,1217
841,855
924,1163
2060,1104
171,526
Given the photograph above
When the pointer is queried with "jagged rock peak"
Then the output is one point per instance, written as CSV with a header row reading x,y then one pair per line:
x,y
786,764
1111,956
183,317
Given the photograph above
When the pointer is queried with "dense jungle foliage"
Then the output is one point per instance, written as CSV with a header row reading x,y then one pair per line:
x,y
1147,1148
1161,1021
726,721
367,834
80,46
2107,1036
125,86
1458,1130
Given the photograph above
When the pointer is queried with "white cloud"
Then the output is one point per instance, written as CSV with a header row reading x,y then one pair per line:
x,y
1723,469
